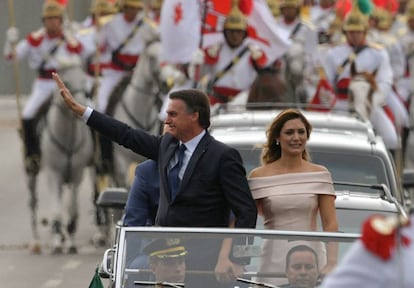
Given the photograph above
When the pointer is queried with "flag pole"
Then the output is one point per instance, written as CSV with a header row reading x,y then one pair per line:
x,y
12,23
200,43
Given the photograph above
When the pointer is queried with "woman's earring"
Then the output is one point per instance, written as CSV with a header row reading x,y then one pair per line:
x,y
277,143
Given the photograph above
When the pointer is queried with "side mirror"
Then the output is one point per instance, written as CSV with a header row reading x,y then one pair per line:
x,y
408,178
113,197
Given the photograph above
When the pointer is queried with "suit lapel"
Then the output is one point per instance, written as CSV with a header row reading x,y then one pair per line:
x,y
166,160
199,151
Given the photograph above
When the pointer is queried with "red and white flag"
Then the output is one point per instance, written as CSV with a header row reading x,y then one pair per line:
x,y
265,31
180,30
324,98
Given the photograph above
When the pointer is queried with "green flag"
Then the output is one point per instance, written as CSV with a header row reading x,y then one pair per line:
x,y
96,280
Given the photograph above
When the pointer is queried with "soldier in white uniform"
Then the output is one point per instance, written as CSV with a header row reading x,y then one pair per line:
x,y
303,34
406,83
124,38
322,16
383,257
380,33
87,35
231,66
368,58
44,49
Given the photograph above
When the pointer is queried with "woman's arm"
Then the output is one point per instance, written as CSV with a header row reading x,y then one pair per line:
x,y
329,224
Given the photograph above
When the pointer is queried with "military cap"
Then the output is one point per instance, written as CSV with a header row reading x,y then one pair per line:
x,y
165,248
52,8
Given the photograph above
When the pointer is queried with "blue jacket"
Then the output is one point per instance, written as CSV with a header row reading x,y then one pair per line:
x,y
141,207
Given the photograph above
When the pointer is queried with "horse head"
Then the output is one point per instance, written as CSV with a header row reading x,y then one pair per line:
x,y
361,91
295,61
268,87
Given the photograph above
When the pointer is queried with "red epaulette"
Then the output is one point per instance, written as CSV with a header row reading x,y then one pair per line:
x,y
379,235
212,54
36,37
261,61
73,45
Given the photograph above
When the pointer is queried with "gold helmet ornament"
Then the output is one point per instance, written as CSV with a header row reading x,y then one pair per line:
x,y
156,4
410,9
52,9
235,20
357,19
103,7
290,3
384,19
133,3
274,7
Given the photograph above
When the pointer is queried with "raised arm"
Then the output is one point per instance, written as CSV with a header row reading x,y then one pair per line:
x,y
76,107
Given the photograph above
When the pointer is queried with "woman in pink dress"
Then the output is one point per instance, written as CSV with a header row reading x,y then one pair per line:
x,y
291,192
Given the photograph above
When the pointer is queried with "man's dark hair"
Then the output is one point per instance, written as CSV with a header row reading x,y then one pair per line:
x,y
301,248
196,101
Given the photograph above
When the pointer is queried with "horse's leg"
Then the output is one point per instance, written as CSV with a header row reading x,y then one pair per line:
x,y
55,185
33,204
73,217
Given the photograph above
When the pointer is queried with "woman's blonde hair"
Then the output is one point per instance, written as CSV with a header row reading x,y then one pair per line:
x,y
271,150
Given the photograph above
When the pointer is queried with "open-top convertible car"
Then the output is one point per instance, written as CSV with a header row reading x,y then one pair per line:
x,y
187,257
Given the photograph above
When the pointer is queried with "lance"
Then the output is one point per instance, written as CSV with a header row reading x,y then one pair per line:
x,y
200,43
16,73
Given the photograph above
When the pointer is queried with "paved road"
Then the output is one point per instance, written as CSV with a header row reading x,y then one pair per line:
x,y
18,267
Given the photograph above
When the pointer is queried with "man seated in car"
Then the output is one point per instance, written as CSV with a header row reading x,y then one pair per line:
x,y
302,269
166,259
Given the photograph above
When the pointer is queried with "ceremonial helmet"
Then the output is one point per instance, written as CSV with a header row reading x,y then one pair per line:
x,y
156,4
290,3
133,3
235,20
103,7
355,21
410,9
52,9
274,7
384,18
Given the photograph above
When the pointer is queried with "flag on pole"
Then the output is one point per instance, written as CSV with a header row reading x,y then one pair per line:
x,y
264,30
180,27
96,280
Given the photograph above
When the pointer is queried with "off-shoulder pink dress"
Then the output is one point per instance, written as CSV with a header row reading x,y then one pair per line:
x,y
290,202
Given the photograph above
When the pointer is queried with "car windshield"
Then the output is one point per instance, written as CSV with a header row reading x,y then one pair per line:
x,y
189,255
344,168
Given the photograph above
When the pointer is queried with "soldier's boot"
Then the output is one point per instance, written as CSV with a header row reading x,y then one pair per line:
x,y
106,147
31,147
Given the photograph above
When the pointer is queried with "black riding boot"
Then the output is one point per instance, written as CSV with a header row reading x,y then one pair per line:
x,y
106,147
32,147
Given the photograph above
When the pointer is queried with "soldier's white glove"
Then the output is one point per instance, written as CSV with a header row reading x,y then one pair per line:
x,y
255,52
12,35
170,74
198,57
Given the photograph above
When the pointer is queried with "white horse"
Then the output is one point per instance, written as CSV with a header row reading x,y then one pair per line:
x,y
67,147
139,107
294,69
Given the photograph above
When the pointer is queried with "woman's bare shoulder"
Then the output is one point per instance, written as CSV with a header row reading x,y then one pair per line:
x,y
259,171
316,168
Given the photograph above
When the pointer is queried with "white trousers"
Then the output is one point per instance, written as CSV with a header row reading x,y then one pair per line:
x,y
381,123
42,90
110,78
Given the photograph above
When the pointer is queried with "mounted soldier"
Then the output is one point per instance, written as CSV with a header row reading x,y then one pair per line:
x,y
94,60
380,33
231,65
44,49
300,58
406,83
124,38
366,58
322,16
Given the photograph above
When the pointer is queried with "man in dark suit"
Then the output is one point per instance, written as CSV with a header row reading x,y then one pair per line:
x,y
212,177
